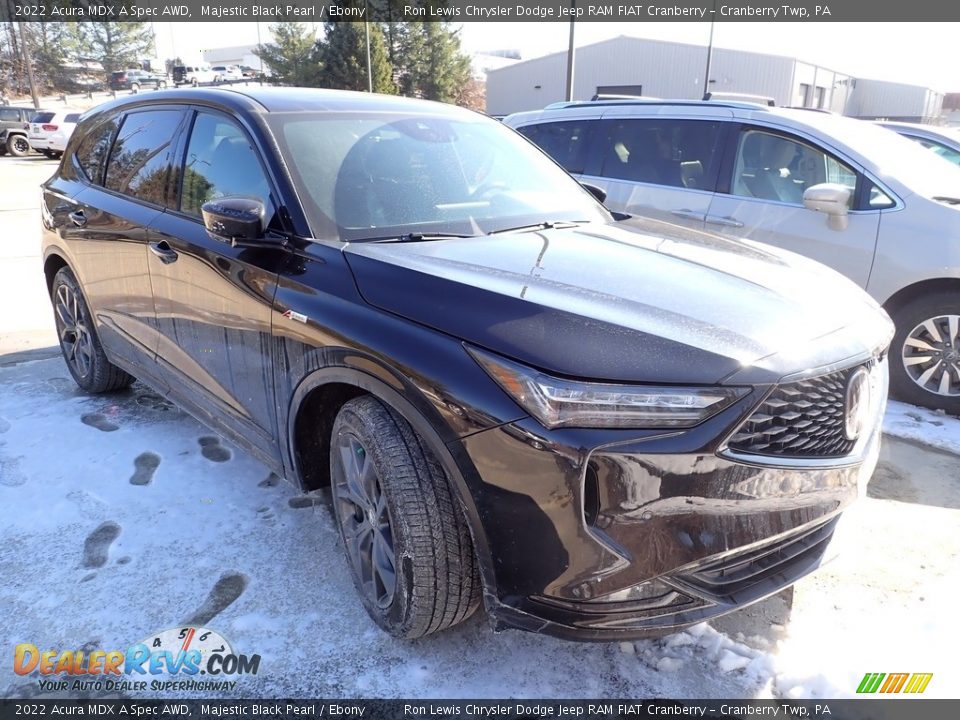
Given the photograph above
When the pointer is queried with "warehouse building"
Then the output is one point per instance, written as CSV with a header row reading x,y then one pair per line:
x,y
654,68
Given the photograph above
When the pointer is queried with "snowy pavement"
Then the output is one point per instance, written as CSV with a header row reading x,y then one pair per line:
x,y
122,517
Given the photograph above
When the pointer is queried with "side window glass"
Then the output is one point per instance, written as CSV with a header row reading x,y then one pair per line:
x,y
675,153
877,198
94,148
566,142
773,167
139,163
10,115
220,161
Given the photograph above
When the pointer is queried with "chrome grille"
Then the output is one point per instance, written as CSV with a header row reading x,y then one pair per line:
x,y
799,419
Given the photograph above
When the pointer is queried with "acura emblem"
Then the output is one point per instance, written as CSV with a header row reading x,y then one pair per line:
x,y
857,404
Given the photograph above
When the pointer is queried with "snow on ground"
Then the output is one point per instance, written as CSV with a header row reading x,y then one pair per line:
x,y
121,517
926,426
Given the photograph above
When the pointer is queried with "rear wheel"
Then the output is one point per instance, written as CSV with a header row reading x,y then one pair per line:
x,y
925,355
135,88
162,85
405,537
79,343
17,145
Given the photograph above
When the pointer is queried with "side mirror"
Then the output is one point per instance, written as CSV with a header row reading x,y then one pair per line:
x,y
598,192
238,221
832,200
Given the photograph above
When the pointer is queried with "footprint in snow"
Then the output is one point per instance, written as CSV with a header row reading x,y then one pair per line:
x,y
225,592
98,421
97,545
145,465
213,450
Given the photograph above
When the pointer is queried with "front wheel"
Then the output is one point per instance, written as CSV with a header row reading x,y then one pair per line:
x,y
162,85
405,537
79,343
135,88
18,146
925,355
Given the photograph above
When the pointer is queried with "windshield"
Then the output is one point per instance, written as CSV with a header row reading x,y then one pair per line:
x,y
375,175
892,156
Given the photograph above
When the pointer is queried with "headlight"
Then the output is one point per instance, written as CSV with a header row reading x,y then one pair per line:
x,y
567,403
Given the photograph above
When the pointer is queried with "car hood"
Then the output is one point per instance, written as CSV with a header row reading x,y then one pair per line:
x,y
635,301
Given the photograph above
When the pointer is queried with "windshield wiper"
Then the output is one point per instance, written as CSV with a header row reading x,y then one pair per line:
x,y
546,225
415,237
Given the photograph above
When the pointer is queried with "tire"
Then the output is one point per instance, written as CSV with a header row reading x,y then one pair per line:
x,y
79,343
134,88
940,312
50,154
194,82
162,85
18,146
420,530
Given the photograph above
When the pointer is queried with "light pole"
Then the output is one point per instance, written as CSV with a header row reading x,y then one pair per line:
x,y
573,6
366,31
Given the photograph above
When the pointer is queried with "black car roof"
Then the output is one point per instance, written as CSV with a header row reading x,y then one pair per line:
x,y
259,99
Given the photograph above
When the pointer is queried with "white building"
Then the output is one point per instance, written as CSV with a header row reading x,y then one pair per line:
x,y
240,55
654,68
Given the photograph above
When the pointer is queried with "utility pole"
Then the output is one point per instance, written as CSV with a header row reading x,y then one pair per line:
x,y
573,6
706,74
25,47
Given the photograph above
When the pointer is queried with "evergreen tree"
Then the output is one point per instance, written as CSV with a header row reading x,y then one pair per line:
x,y
117,45
430,63
343,56
291,58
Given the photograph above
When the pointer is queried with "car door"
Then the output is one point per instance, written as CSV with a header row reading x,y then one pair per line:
x,y
659,167
123,165
213,301
761,198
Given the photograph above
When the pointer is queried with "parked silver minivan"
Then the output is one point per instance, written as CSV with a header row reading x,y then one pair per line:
x,y
875,206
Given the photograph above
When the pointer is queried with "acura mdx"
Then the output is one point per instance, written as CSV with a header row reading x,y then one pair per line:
x,y
598,427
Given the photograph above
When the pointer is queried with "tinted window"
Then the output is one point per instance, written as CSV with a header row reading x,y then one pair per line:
x,y
9,114
677,153
565,142
93,149
72,117
220,161
42,117
774,167
140,160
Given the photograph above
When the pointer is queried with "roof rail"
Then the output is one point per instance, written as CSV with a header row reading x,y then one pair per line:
x,y
740,97
742,105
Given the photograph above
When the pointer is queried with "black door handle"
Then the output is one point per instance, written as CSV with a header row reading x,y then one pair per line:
x,y
163,251
78,218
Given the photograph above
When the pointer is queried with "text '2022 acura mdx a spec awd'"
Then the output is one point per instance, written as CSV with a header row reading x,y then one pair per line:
x,y
600,427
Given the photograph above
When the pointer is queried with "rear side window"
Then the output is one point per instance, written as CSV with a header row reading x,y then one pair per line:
x,y
9,115
676,153
141,157
220,161
72,117
566,142
94,148
43,117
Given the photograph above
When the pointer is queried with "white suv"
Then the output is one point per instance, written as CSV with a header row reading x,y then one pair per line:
x,y
45,124
877,207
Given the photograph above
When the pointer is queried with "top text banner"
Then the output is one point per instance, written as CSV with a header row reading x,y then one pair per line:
x,y
481,10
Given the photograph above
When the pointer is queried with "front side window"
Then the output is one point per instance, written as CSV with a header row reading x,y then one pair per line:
x,y
139,164
220,162
675,153
566,142
779,168
93,149
9,115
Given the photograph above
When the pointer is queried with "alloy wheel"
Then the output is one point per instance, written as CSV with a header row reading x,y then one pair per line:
x,y
362,512
931,355
75,338
20,145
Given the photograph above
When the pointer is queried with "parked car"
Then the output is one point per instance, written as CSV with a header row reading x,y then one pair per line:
x,y
57,143
44,125
249,72
193,75
13,130
133,80
943,141
603,429
226,73
852,195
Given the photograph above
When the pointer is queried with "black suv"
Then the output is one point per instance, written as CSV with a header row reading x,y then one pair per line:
x,y
599,428
13,130
133,80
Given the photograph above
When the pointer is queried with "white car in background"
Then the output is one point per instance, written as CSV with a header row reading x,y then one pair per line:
x,y
44,125
943,141
227,73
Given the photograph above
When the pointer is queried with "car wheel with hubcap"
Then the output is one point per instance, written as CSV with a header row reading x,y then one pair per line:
x,y
406,540
17,145
925,355
79,343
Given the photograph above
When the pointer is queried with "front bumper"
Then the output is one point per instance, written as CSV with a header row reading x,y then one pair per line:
x,y
597,537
